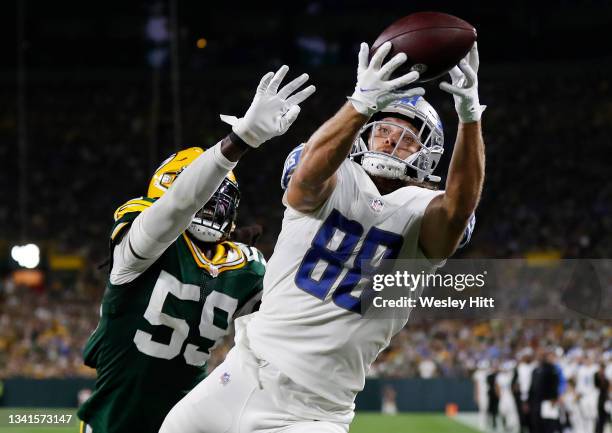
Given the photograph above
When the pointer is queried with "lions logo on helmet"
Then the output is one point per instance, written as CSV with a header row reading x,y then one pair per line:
x,y
216,219
420,165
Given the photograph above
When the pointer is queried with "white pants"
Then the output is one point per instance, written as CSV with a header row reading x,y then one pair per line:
x,y
587,403
508,411
482,402
244,395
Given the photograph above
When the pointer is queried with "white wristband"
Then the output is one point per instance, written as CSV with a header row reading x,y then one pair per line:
x,y
221,160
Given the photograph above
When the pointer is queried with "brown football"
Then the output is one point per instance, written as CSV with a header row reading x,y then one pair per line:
x,y
433,41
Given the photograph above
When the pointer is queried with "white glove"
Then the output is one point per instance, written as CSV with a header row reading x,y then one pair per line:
x,y
374,91
465,87
272,111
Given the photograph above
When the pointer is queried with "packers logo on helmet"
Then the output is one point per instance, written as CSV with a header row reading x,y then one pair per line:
x,y
216,219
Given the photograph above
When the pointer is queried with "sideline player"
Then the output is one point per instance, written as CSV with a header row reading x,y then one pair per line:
x,y
479,379
587,391
176,283
508,412
302,358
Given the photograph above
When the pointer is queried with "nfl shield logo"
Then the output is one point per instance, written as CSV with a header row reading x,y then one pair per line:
x,y
377,205
225,378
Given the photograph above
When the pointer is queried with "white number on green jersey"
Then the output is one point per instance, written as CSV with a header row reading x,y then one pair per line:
x,y
167,283
251,253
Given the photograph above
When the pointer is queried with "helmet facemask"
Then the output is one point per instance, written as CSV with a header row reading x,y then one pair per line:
x,y
428,140
215,221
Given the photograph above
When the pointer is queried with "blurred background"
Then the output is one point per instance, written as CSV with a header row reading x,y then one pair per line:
x,y
94,95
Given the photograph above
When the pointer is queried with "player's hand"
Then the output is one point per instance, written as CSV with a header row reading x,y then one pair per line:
x,y
464,87
272,111
374,90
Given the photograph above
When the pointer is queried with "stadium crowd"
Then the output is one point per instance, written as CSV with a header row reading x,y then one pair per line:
x,y
42,335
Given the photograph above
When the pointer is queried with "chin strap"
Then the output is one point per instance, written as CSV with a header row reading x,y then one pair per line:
x,y
390,168
381,166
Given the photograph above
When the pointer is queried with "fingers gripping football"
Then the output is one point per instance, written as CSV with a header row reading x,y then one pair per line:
x,y
374,90
272,111
464,87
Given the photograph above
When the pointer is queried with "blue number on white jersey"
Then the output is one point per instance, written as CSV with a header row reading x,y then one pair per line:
x,y
336,258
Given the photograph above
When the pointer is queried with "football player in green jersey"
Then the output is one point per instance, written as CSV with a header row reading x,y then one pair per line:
x,y
176,282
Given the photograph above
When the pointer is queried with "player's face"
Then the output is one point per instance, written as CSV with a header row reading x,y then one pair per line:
x,y
388,138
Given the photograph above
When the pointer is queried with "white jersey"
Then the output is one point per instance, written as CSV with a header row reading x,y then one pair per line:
x,y
569,368
524,371
504,382
480,381
585,379
309,325
507,405
587,393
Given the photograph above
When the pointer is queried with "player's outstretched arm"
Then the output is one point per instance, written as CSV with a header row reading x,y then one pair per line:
x,y
448,214
314,178
271,114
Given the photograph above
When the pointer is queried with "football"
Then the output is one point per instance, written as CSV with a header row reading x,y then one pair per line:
x,y
434,42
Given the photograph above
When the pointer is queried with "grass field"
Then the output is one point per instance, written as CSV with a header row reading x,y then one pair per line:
x,y
363,423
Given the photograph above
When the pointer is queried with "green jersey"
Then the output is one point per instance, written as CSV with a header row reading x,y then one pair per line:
x,y
156,332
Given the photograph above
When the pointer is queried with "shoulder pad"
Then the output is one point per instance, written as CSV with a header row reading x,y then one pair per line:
x,y
134,205
290,164
467,234
251,253
126,213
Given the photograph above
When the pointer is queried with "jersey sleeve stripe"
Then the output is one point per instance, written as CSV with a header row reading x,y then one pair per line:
x,y
134,252
118,230
134,205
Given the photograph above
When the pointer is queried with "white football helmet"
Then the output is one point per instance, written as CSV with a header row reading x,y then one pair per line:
x,y
430,138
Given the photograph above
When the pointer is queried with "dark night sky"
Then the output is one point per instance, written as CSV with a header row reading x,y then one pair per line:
x,y
67,34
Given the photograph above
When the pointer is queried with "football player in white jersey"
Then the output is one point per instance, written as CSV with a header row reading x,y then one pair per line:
x,y
480,392
507,405
300,361
524,370
587,391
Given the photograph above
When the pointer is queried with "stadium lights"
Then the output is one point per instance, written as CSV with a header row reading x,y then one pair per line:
x,y
27,256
